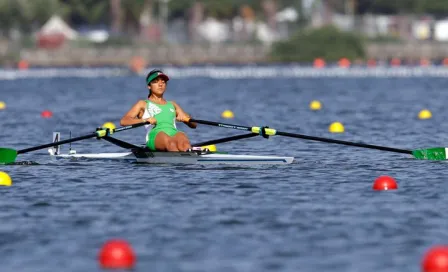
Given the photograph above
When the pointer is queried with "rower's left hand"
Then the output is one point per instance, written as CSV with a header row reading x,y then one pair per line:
x,y
182,117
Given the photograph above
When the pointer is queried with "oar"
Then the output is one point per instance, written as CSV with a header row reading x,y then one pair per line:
x,y
226,139
120,143
8,155
436,153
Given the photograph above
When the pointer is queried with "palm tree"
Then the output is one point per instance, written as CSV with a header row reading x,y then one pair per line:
x,y
116,16
91,11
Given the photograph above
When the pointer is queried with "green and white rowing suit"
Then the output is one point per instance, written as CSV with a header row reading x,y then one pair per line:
x,y
166,121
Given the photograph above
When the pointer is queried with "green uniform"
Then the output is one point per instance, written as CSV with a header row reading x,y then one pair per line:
x,y
166,121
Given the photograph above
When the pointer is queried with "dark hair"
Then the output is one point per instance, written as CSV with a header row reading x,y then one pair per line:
x,y
150,74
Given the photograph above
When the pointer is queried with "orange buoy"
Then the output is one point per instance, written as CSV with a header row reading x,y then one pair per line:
x,y
344,63
425,62
371,63
445,62
23,65
319,63
116,254
384,183
395,62
137,65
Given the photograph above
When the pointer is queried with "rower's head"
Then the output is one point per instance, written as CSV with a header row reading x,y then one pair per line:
x,y
156,81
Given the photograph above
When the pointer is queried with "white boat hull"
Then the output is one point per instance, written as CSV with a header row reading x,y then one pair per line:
x,y
182,158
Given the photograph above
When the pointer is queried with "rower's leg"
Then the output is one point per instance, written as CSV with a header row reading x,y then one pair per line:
x,y
182,141
164,142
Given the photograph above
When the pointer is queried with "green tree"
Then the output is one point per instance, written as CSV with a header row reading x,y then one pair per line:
x,y
91,11
436,7
328,43
28,15
224,8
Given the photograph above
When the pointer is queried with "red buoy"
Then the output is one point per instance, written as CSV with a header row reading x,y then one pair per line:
x,y
436,259
117,254
384,183
46,114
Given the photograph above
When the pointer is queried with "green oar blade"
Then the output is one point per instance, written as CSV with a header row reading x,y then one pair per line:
x,y
435,154
7,155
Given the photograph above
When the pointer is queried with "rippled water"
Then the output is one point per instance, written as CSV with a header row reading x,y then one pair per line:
x,y
318,214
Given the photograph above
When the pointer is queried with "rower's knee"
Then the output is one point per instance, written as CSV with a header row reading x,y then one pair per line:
x,y
171,145
183,145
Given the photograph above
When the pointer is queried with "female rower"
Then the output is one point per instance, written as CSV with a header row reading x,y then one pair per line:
x,y
161,132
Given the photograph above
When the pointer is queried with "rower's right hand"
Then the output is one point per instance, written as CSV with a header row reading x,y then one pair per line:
x,y
151,120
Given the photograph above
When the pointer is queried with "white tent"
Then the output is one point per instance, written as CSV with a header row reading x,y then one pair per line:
x,y
441,30
55,25
213,30
287,15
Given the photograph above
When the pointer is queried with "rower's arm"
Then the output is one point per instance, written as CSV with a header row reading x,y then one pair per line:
x,y
181,113
132,116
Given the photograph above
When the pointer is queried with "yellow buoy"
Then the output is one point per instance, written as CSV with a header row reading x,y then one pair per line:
x,y
336,127
227,114
315,105
5,179
424,114
109,125
2,105
212,148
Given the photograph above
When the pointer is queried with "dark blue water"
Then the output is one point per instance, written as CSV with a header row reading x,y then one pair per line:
x,y
318,214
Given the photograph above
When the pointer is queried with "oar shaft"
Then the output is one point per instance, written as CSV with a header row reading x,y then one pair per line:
x,y
56,143
120,143
384,148
130,126
204,122
100,133
300,136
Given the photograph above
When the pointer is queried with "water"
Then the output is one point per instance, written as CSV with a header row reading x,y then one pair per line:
x,y
318,214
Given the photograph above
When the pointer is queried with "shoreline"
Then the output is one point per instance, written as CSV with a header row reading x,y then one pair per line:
x,y
235,72
219,54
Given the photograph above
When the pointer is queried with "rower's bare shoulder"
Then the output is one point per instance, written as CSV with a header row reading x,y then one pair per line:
x,y
174,103
141,103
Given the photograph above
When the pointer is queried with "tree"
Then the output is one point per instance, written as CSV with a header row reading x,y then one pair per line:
x,y
328,43
116,13
90,11
29,15
436,7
